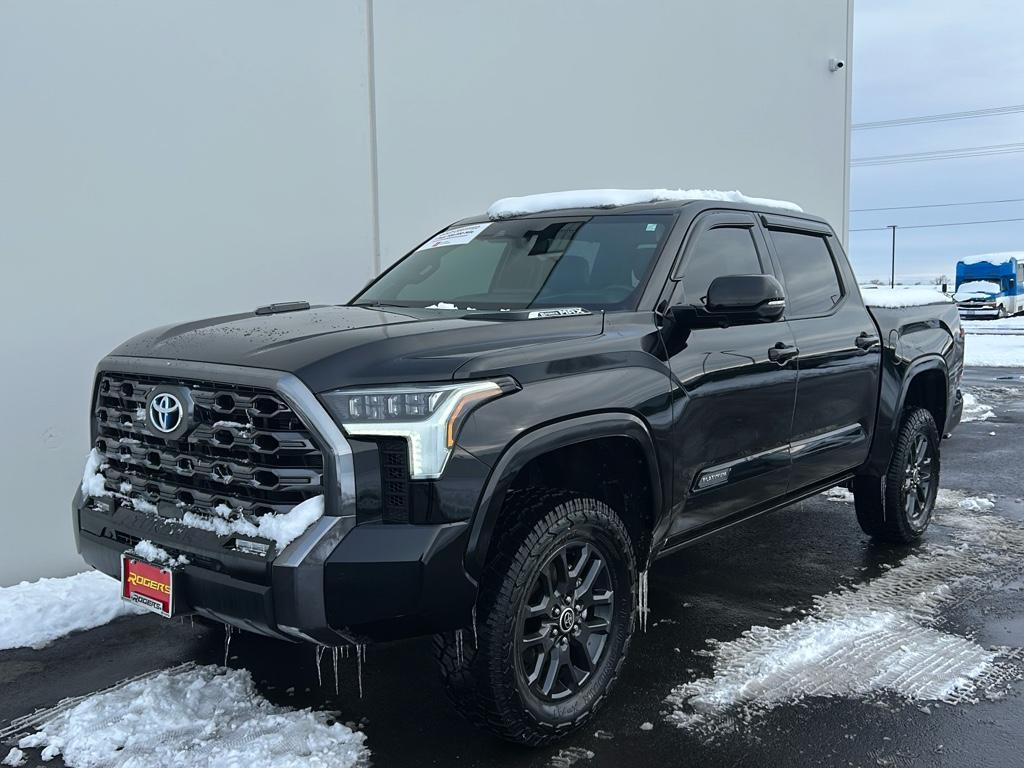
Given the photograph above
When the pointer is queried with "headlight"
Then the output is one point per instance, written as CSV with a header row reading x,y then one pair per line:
x,y
428,416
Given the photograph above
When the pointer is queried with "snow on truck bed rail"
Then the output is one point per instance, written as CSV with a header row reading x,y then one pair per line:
x,y
612,198
897,298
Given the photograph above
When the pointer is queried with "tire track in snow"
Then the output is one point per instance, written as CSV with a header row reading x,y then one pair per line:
x,y
877,637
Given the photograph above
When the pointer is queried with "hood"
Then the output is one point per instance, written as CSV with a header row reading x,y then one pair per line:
x,y
333,346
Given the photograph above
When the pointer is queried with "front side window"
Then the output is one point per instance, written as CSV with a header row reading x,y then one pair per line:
x,y
809,273
601,262
717,252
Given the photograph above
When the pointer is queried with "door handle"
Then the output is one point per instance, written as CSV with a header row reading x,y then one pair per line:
x,y
782,352
866,341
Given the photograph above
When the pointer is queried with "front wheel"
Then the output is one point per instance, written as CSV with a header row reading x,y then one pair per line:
x,y
898,507
555,617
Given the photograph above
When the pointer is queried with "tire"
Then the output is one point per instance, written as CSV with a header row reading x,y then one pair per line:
x,y
897,508
500,676
1002,312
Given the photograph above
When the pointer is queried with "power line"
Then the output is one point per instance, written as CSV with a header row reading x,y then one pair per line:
x,y
939,154
930,226
918,119
938,205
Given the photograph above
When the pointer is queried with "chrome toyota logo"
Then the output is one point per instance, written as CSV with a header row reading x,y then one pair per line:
x,y
165,412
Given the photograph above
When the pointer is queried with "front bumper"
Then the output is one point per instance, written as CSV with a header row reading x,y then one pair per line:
x,y
345,579
337,583
979,314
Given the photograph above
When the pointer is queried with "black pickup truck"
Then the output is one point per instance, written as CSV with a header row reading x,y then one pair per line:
x,y
495,439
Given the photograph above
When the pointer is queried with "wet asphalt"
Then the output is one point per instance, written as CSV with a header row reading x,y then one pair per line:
x,y
758,573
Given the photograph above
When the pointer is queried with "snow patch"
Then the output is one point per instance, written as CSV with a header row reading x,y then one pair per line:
x,y
209,716
15,757
994,350
281,529
868,639
972,289
150,552
508,207
34,614
897,298
975,411
92,476
569,756
993,258
442,305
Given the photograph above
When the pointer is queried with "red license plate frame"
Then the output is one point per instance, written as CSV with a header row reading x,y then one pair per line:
x,y
149,585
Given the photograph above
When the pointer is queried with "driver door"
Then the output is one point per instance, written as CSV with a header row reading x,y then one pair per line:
x,y
733,399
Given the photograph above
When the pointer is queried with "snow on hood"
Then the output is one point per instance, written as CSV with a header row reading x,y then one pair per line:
x,y
34,614
191,715
974,289
993,258
895,298
611,198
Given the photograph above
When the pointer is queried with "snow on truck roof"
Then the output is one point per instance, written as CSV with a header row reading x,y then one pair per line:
x,y
508,207
993,258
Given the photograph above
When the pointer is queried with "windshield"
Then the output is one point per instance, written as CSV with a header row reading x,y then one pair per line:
x,y
601,262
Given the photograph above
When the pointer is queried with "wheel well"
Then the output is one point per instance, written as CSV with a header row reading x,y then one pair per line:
x,y
611,469
928,390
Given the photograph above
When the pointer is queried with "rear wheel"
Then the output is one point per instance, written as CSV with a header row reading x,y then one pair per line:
x,y
898,507
555,616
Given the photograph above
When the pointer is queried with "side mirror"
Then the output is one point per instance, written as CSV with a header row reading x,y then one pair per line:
x,y
746,298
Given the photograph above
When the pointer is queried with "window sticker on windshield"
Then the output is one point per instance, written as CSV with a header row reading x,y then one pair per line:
x,y
455,236
652,227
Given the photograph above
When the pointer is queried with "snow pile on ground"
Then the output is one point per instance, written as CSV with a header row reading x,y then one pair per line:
x,y
976,411
282,529
875,638
34,614
611,198
896,298
150,552
994,350
1009,326
191,715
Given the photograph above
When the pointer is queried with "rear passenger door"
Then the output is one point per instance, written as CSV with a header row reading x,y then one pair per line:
x,y
839,352
733,403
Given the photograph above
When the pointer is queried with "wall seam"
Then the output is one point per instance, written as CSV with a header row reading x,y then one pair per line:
x,y
371,77
847,127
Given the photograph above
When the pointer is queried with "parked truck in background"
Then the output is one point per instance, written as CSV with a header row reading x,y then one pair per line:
x,y
990,285
495,440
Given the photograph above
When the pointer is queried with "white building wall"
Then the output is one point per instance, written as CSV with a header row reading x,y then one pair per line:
x,y
160,162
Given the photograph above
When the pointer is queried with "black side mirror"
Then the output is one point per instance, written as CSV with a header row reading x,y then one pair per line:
x,y
746,298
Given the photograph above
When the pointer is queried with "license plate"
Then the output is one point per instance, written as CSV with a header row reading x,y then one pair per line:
x,y
147,584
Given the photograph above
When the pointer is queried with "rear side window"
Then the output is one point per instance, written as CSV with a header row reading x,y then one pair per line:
x,y
812,283
719,251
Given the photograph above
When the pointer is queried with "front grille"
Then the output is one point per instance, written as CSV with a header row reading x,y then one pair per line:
x,y
247,452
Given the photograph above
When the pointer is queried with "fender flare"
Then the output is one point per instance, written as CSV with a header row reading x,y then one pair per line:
x,y
888,421
537,442
930,362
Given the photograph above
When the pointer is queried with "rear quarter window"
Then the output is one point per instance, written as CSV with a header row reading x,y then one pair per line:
x,y
809,273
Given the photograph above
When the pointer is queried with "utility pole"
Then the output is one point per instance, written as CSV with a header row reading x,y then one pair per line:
x,y
892,274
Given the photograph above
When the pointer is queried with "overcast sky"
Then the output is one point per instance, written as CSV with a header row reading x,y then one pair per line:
x,y
924,57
